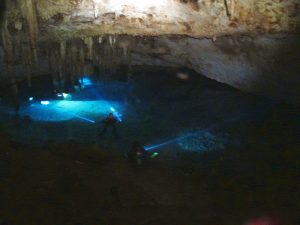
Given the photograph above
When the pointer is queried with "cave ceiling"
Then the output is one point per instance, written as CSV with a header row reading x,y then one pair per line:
x,y
238,42
61,19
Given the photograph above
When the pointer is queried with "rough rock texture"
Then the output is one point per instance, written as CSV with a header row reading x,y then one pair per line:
x,y
251,44
268,65
69,18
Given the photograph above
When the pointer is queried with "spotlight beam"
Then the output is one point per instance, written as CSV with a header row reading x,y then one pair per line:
x,y
112,109
83,118
210,128
78,116
149,148
46,103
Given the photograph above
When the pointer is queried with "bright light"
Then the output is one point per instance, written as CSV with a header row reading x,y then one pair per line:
x,y
116,114
174,140
154,154
183,76
82,118
195,134
137,4
67,96
85,81
45,102
30,98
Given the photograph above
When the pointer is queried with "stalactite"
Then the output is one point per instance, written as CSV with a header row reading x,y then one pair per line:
x,y
53,54
61,63
253,9
78,68
27,63
125,45
232,9
49,60
125,52
67,63
111,64
63,50
112,41
100,39
7,43
89,44
129,63
99,53
74,59
81,60
96,10
29,12
9,61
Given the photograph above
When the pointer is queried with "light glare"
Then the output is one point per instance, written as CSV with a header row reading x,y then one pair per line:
x,y
45,102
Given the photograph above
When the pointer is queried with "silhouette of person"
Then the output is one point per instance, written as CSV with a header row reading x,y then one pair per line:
x,y
110,121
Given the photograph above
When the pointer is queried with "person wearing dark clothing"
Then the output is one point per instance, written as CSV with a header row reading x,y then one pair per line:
x,y
137,154
110,121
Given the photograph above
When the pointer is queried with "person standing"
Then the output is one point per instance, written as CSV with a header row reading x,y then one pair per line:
x,y
138,154
110,121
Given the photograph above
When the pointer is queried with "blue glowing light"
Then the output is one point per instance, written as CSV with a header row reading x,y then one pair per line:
x,y
197,133
30,98
85,81
149,148
61,110
45,102
65,112
116,114
107,104
203,141
64,109
83,118
67,96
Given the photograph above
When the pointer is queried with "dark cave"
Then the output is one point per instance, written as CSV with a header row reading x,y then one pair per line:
x,y
149,113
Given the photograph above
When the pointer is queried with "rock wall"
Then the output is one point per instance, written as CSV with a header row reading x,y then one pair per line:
x,y
252,45
197,18
268,64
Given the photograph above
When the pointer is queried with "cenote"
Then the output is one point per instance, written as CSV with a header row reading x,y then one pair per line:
x,y
199,132
165,112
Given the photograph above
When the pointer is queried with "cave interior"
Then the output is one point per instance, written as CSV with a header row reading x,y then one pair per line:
x,y
208,89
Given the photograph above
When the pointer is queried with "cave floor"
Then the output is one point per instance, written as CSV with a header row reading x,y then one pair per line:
x,y
56,170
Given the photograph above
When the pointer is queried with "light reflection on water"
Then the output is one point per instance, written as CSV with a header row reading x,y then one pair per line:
x,y
60,110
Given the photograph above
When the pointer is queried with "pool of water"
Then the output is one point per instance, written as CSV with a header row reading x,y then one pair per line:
x,y
158,108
